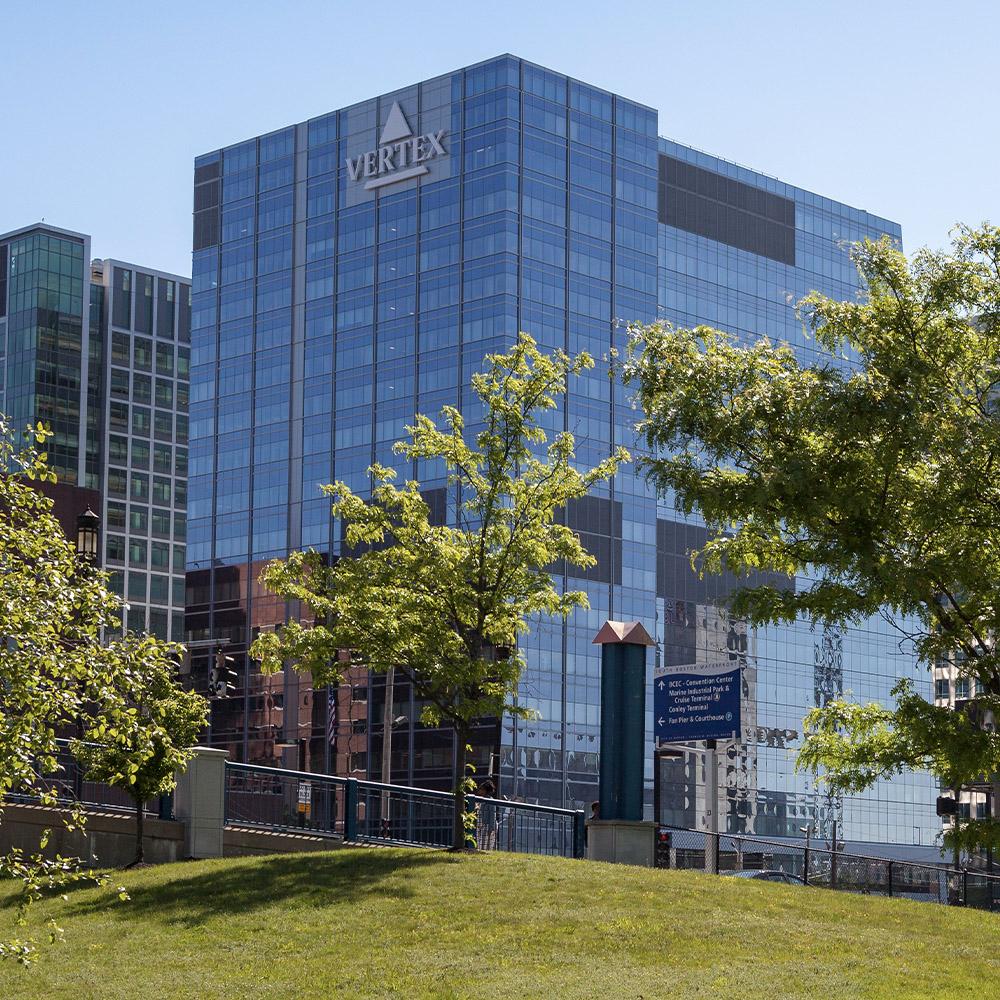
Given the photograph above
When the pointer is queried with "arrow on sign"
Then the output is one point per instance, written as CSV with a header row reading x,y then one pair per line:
x,y
661,721
662,685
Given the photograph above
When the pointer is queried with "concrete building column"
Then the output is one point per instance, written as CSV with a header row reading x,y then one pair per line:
x,y
200,802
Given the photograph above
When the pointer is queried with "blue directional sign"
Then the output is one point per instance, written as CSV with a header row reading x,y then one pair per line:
x,y
696,701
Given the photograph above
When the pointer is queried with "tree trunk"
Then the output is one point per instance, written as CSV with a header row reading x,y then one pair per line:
x,y
461,758
139,819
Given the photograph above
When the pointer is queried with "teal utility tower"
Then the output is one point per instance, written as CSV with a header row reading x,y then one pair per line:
x,y
623,718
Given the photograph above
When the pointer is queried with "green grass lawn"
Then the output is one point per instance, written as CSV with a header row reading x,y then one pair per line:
x,y
410,924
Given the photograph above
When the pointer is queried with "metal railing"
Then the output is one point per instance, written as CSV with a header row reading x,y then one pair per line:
x,y
523,828
274,799
825,868
399,814
353,809
70,786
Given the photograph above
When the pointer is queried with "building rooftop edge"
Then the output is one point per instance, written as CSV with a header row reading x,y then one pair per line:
x,y
169,275
510,55
48,227
83,238
457,69
773,177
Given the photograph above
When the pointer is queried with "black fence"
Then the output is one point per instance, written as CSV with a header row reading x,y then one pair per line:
x,y
521,827
69,785
300,801
822,867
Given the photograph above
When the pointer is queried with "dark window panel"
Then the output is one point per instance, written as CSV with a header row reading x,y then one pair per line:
x,y
598,522
206,228
206,172
183,323
677,581
3,281
206,196
166,304
143,302
726,210
121,297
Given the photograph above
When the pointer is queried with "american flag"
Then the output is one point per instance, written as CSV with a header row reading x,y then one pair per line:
x,y
331,714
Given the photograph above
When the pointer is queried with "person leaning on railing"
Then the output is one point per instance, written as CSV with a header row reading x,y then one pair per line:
x,y
486,817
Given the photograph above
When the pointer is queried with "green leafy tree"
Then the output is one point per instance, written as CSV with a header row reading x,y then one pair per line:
x,y
855,745
868,471
445,604
54,669
149,734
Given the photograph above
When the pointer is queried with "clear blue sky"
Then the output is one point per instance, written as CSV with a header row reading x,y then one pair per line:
x,y
887,105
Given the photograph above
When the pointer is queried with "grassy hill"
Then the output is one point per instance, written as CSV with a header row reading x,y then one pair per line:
x,y
412,924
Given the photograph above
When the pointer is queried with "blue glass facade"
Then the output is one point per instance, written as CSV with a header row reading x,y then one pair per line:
x,y
355,269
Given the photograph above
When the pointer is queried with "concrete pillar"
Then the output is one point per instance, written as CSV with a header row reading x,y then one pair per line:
x,y
200,802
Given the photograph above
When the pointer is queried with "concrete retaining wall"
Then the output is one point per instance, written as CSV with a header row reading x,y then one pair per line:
x,y
241,842
199,830
108,840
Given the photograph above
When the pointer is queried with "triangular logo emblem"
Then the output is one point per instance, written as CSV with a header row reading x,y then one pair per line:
x,y
396,126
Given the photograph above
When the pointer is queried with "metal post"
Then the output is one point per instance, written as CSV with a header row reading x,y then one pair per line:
x,y
833,859
711,807
956,824
166,804
411,714
351,809
805,873
965,887
992,810
246,707
579,831
78,766
656,784
387,747
888,867
331,725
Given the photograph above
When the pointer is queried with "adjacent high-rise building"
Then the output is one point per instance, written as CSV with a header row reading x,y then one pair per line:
x,y
355,269
99,351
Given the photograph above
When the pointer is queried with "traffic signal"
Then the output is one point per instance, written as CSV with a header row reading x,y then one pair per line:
x,y
222,676
662,859
946,805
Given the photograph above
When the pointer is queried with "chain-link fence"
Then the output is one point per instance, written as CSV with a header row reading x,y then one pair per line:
x,y
825,868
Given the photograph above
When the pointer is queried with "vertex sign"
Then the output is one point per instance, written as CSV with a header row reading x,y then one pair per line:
x,y
400,154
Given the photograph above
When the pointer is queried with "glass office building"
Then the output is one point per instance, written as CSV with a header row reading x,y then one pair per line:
x,y
354,269
99,351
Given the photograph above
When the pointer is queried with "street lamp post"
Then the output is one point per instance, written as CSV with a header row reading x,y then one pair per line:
x,y
87,536
87,548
